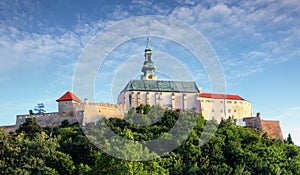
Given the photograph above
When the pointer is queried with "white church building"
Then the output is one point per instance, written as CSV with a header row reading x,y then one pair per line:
x,y
178,95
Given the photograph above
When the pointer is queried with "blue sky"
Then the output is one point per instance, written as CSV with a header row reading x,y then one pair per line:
x,y
257,43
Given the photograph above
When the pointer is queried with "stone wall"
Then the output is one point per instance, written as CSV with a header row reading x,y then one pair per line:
x,y
47,119
73,112
94,111
9,128
253,122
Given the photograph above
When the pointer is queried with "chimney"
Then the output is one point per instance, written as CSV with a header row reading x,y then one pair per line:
x,y
200,89
258,115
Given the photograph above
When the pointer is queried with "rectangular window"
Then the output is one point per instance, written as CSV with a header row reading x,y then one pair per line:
x,y
229,110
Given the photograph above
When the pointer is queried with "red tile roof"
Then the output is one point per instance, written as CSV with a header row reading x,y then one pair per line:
x,y
221,96
69,96
8,127
272,128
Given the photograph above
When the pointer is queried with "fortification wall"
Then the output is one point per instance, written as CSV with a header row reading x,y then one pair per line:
x,y
77,112
9,128
94,111
47,119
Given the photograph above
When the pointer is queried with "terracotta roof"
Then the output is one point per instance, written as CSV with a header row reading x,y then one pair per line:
x,y
221,96
69,96
272,128
7,127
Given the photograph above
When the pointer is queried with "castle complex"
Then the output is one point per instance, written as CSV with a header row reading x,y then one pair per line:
x,y
176,95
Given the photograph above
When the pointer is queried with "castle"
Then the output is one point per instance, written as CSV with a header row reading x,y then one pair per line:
x,y
70,108
176,95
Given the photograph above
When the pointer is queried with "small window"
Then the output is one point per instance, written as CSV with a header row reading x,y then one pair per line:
x,y
221,101
241,102
212,110
229,110
229,102
234,102
235,110
221,110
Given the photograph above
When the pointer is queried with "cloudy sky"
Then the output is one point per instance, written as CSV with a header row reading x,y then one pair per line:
x,y
257,43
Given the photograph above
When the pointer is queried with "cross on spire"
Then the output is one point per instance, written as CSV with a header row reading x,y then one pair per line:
x,y
148,48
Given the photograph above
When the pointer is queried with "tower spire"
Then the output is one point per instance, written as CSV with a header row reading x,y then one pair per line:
x,y
148,67
148,48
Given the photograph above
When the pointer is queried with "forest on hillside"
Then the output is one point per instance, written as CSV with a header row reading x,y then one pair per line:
x,y
67,150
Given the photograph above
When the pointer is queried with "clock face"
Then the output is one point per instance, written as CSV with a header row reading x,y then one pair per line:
x,y
150,76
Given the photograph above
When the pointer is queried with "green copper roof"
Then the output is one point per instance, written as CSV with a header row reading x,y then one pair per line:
x,y
148,44
162,86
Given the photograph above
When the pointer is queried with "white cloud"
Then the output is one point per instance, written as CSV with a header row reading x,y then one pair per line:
x,y
247,35
23,49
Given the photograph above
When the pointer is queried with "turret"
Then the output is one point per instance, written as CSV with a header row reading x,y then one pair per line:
x,y
66,103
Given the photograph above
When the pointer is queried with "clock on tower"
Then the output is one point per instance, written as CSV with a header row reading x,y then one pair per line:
x,y
148,67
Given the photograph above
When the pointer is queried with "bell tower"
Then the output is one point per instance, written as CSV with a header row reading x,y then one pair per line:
x,y
148,67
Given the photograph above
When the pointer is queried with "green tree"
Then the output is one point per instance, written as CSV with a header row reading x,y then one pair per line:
x,y
30,127
289,139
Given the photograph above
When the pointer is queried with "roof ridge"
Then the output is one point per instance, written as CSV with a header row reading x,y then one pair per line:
x,y
69,96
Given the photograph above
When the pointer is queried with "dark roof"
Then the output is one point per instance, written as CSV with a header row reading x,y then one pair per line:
x,y
68,96
221,96
161,86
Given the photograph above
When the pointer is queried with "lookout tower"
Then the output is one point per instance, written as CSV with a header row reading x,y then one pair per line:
x,y
67,102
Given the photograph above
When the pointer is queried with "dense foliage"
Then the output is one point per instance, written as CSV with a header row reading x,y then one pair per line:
x,y
66,150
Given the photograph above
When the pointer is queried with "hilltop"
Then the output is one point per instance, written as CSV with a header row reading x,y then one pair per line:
x,y
65,149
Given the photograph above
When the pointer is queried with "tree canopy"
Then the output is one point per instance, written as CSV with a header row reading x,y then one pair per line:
x,y
64,150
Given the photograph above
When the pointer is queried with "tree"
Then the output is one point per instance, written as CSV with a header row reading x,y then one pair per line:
x,y
289,139
231,149
40,108
30,127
